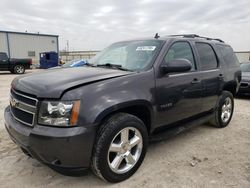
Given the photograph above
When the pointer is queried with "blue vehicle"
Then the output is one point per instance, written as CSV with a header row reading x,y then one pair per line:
x,y
71,64
75,63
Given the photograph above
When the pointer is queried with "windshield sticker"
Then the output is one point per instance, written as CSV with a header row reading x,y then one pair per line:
x,y
145,48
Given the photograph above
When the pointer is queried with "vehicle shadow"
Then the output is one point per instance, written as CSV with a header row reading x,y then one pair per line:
x,y
242,96
89,178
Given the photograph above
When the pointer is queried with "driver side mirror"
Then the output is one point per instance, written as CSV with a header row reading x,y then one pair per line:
x,y
176,65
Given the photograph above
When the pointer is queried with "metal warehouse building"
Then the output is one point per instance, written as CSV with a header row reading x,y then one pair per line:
x,y
27,45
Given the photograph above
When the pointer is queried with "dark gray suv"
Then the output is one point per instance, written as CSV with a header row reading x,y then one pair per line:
x,y
104,114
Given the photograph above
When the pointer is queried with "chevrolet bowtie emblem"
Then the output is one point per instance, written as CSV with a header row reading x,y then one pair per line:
x,y
13,102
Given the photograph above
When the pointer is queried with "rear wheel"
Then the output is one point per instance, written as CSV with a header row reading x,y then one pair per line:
x,y
224,111
120,147
19,69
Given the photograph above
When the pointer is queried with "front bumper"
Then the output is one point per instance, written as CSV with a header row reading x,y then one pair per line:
x,y
59,148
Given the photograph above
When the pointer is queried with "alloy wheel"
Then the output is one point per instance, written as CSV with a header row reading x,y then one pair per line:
x,y
125,150
226,111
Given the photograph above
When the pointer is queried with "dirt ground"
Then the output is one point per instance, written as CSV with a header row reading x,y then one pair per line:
x,y
201,157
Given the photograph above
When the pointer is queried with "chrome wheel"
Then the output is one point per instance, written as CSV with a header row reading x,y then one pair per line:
x,y
226,111
125,150
19,69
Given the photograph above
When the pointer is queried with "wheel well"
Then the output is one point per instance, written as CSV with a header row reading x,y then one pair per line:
x,y
231,87
140,111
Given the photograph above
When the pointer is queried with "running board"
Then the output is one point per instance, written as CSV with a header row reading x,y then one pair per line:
x,y
172,131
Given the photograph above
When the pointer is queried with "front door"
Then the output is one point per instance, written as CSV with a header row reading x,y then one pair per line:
x,y
178,95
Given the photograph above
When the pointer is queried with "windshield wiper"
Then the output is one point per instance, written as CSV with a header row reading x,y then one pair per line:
x,y
109,65
89,64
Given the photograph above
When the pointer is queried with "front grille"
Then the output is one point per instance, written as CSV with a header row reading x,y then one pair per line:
x,y
21,97
23,107
243,84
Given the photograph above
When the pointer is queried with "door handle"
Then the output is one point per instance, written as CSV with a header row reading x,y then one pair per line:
x,y
195,81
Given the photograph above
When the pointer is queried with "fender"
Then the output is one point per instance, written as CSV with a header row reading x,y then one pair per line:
x,y
121,106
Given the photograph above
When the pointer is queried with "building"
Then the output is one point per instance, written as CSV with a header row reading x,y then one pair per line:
x,y
243,56
27,45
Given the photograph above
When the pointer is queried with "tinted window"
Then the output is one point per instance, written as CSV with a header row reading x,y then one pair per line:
x,y
228,55
3,56
207,56
180,50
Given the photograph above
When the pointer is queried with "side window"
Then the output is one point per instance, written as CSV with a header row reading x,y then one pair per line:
x,y
228,55
3,56
180,50
208,58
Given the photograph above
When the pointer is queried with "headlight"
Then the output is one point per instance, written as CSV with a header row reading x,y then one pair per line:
x,y
59,113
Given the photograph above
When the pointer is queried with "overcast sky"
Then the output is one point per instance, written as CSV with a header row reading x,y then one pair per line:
x,y
94,24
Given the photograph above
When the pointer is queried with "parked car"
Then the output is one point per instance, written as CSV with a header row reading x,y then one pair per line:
x,y
245,82
103,115
73,63
16,66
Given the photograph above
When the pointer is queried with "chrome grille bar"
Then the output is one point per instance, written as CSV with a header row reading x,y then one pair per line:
x,y
19,104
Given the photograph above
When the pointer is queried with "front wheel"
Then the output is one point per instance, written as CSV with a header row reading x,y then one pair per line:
x,y
19,69
120,147
224,111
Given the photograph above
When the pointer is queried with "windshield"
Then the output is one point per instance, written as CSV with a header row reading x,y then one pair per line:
x,y
245,67
132,55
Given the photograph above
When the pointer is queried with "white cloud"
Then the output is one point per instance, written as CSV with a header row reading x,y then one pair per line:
x,y
107,9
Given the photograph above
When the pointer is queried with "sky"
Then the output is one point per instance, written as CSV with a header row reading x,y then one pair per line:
x,y
95,24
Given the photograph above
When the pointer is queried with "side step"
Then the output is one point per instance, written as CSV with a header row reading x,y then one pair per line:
x,y
174,130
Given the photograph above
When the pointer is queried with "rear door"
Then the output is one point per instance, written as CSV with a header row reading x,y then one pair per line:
x,y
178,95
212,76
4,63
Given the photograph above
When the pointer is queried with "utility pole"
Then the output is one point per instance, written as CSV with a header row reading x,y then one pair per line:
x,y
67,45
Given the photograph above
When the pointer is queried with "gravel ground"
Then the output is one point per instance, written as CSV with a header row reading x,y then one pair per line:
x,y
201,157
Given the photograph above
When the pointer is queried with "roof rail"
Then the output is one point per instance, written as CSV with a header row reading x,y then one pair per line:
x,y
195,36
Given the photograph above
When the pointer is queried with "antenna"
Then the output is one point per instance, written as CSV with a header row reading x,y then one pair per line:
x,y
156,36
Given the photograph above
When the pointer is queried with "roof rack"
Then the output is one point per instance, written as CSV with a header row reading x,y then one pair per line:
x,y
195,36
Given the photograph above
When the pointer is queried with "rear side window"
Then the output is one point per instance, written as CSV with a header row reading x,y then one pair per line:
x,y
208,58
180,50
228,55
3,56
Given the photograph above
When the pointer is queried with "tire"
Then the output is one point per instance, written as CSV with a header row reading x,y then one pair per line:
x,y
12,71
224,111
128,158
19,69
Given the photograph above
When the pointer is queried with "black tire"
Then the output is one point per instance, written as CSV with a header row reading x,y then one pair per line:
x,y
12,71
19,69
106,135
217,119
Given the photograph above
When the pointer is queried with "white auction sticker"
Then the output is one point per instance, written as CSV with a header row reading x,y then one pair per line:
x,y
145,48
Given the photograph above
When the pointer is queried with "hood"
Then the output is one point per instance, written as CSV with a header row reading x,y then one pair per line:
x,y
52,83
245,75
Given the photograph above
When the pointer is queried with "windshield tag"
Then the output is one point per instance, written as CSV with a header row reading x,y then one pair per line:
x,y
145,48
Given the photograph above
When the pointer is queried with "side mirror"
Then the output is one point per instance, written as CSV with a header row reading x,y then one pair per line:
x,y
176,65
